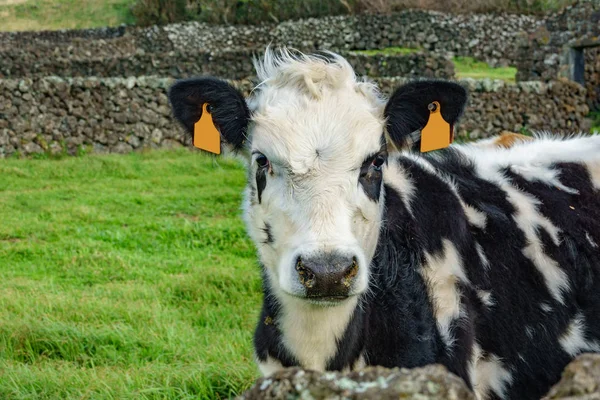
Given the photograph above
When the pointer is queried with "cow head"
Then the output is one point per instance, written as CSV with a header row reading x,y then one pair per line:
x,y
315,142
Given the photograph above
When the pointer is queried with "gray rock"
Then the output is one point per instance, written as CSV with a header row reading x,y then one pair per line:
x,y
580,380
377,383
121,148
32,148
133,140
156,136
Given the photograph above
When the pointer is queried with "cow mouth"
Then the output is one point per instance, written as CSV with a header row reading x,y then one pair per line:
x,y
323,300
328,300
335,297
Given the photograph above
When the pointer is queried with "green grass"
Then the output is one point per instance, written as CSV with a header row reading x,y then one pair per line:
x,y
467,67
19,15
595,117
125,277
391,51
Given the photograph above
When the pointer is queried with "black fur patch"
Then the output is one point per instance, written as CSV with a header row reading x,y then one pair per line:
x,y
261,182
407,112
267,337
370,178
267,231
228,107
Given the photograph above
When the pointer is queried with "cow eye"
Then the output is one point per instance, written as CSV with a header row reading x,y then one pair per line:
x,y
378,162
262,161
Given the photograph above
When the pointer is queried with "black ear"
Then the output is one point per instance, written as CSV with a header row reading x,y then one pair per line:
x,y
407,112
228,108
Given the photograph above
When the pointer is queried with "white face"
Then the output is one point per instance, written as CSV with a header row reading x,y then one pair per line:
x,y
313,203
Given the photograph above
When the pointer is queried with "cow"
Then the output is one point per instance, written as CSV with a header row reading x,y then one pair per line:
x,y
485,259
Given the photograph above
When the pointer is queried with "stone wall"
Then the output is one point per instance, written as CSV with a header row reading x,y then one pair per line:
x,y
540,53
592,77
488,37
122,114
12,39
120,58
580,381
425,65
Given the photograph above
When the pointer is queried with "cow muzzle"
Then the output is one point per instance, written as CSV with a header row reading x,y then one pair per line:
x,y
328,277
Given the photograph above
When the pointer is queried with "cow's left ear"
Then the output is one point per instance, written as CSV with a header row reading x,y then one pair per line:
x,y
407,110
225,104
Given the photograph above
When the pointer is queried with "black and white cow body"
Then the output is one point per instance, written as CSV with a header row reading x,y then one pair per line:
x,y
483,259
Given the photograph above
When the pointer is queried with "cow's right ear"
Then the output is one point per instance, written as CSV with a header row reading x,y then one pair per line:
x,y
227,107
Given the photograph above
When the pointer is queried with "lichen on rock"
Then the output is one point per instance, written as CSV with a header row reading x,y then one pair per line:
x,y
374,383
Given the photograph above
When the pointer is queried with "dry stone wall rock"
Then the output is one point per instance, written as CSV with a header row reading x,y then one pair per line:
x,y
592,77
106,59
539,51
489,37
540,54
580,380
375,383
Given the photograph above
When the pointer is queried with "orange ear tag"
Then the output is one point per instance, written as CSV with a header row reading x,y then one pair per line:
x,y
206,135
437,134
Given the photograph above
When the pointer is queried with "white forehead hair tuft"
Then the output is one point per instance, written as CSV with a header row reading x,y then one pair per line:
x,y
309,74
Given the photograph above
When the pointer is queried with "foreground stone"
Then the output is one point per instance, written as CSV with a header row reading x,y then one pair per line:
x,y
377,383
580,380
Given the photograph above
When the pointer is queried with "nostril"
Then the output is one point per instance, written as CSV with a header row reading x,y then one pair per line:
x,y
307,277
350,273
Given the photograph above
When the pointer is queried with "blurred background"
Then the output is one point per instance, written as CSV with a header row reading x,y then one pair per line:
x,y
125,268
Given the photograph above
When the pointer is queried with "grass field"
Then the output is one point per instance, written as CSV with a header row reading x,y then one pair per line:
x,y
125,277
21,15
467,67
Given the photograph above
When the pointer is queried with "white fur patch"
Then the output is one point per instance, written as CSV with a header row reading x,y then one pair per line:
x,y
544,174
484,260
529,220
442,273
529,331
573,340
475,357
594,170
474,216
492,375
360,363
545,307
269,367
397,178
486,297
531,156
423,163
591,240
311,332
